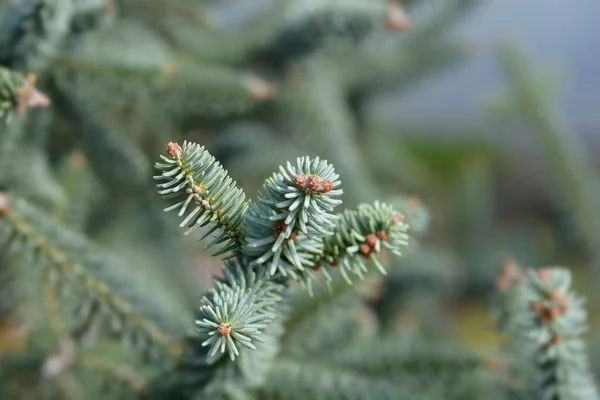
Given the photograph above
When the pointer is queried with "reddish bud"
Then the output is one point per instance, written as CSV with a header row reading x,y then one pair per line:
x,y
301,180
315,184
224,329
174,150
319,185
365,249
371,240
397,217
382,235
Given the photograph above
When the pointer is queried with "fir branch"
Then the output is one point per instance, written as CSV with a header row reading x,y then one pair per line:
x,y
551,320
172,85
17,92
236,311
292,216
360,235
206,195
91,277
312,23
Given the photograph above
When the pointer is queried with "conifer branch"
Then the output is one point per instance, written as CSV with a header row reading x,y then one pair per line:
x,y
548,320
90,276
173,86
291,229
292,216
206,195
236,311
311,24
360,235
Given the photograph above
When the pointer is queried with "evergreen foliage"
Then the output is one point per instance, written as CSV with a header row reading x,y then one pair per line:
x,y
306,296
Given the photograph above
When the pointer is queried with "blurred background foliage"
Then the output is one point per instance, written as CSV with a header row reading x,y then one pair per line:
x,y
259,83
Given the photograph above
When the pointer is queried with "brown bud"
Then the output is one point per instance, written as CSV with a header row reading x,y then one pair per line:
x,y
224,329
383,235
292,235
317,184
371,239
315,267
365,249
174,150
332,263
280,225
301,180
397,217
4,206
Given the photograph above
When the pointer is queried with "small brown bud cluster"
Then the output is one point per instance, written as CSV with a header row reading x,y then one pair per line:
x,y
224,329
555,305
313,183
4,206
174,150
509,275
368,246
28,96
280,226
